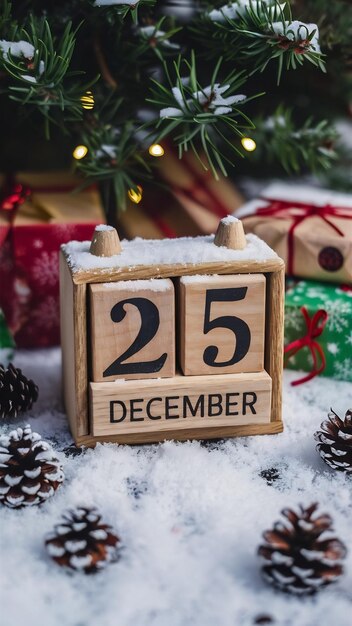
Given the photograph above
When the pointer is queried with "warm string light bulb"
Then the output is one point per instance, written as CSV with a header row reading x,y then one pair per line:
x,y
88,101
248,143
135,195
79,152
156,150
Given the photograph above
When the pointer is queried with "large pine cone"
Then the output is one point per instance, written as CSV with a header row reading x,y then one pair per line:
x,y
17,393
335,441
29,471
300,556
82,542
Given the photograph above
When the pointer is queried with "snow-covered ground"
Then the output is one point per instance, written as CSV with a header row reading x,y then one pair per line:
x,y
190,516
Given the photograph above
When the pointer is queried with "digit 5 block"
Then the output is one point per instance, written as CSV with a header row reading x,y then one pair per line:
x,y
132,329
222,321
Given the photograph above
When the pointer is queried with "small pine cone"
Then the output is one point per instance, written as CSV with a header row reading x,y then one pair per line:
x,y
29,471
81,542
17,393
335,441
301,554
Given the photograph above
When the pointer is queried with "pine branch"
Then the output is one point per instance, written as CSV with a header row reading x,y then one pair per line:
x,y
257,33
295,147
192,113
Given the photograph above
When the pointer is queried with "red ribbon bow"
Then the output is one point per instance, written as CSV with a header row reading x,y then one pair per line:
x,y
14,195
315,326
299,212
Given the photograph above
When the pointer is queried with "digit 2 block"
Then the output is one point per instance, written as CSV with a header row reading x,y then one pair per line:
x,y
132,329
222,324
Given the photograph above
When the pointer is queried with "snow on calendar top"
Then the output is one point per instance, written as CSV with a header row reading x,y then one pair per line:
x,y
182,251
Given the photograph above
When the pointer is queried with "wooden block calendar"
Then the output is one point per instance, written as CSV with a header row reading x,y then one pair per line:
x,y
171,339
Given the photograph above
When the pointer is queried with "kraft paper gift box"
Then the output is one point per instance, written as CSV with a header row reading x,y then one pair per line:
x,y
39,212
311,229
318,329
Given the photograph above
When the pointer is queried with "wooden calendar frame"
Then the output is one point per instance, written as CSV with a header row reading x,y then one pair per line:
x,y
76,349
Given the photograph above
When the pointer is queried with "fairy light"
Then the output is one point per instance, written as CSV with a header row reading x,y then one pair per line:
x,y
88,101
248,143
79,152
156,150
135,195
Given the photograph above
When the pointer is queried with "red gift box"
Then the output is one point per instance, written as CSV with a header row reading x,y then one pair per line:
x,y
38,213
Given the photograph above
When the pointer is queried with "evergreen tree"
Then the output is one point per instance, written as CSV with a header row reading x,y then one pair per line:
x,y
117,78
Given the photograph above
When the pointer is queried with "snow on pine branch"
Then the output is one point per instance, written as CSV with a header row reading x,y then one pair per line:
x,y
210,99
24,51
235,10
158,36
298,31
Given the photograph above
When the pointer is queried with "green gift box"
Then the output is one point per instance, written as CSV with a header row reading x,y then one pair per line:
x,y
7,343
318,329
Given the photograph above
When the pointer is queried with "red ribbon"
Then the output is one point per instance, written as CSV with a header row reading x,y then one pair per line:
x,y
315,326
14,195
299,212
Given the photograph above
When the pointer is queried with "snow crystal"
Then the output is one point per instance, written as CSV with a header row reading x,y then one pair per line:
x,y
103,227
298,31
230,219
17,49
29,79
154,284
184,250
190,516
233,10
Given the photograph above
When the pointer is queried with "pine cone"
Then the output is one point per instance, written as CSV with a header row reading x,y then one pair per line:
x,y
81,542
17,393
301,555
29,471
335,441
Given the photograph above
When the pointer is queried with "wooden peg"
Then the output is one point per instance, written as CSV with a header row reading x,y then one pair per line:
x,y
105,241
230,234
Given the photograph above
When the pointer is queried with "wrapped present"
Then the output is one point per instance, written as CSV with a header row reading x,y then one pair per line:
x,y
189,201
39,212
311,229
318,329
7,343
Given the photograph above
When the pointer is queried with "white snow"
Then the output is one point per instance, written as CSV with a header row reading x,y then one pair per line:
x,y
237,9
190,518
298,31
103,228
17,49
157,252
298,193
154,284
196,278
230,219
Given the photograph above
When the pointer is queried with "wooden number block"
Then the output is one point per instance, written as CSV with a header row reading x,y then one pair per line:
x,y
132,329
208,405
222,324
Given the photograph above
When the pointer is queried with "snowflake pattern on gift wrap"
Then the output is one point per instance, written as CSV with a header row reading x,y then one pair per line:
x,y
333,348
317,292
64,232
45,269
349,338
343,369
46,314
38,244
339,315
293,318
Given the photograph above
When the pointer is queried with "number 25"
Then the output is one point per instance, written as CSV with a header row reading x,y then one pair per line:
x,y
239,327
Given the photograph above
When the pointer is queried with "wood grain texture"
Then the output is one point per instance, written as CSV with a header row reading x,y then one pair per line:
x,y
274,345
176,269
110,340
73,318
193,317
180,402
221,432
